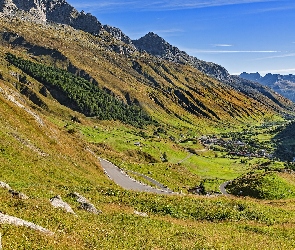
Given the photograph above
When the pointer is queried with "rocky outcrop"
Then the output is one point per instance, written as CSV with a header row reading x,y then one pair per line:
x,y
125,45
157,46
118,34
4,185
58,11
282,84
14,194
18,195
85,204
142,214
57,202
6,219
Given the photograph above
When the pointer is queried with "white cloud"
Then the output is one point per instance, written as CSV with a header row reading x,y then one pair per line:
x,y
188,4
277,56
229,51
156,4
222,45
168,31
280,8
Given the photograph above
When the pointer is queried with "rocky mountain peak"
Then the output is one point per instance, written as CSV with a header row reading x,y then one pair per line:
x,y
251,76
58,11
157,46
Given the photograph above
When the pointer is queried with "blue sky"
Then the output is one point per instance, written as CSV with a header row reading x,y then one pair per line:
x,y
241,35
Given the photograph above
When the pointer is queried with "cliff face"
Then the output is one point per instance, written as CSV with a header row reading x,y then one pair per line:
x,y
58,11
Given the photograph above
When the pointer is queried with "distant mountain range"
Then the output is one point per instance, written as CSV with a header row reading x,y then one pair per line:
x,y
282,84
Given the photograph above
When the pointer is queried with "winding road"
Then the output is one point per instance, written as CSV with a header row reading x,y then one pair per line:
x,y
126,182
222,188
123,180
156,183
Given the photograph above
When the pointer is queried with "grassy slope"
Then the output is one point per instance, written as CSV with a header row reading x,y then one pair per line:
x,y
138,73
173,222
177,222
265,185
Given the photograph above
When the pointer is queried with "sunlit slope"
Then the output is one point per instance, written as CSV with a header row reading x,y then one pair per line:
x,y
47,149
163,89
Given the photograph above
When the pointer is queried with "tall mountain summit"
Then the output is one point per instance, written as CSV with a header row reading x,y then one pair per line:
x,y
157,46
58,11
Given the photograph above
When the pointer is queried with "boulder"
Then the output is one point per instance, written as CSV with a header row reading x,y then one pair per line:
x,y
4,185
57,202
85,204
18,195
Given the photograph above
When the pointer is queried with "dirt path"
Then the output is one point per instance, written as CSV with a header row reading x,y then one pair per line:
x,y
123,180
186,158
191,154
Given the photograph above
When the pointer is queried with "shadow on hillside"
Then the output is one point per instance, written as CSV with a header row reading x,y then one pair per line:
x,y
285,143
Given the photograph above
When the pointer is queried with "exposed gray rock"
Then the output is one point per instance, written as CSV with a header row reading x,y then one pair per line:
x,y
85,204
141,214
58,11
4,185
15,194
282,84
118,34
6,219
18,195
126,46
57,202
157,46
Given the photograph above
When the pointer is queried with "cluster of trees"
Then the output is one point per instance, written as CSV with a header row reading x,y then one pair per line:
x,y
86,97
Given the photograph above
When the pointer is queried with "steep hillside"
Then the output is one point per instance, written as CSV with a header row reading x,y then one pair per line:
x,y
159,87
282,84
160,48
69,99
49,152
154,74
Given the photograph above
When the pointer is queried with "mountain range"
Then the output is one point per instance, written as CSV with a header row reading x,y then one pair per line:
x,y
80,102
153,62
282,84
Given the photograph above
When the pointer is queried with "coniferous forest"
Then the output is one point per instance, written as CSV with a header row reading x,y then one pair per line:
x,y
82,95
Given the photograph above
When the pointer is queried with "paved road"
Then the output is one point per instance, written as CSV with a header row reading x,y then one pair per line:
x,y
156,183
222,188
123,180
